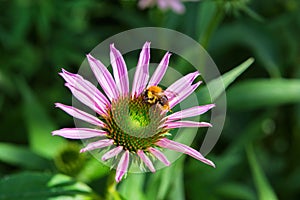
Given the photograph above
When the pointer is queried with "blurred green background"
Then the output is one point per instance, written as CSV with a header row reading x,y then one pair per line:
x,y
257,156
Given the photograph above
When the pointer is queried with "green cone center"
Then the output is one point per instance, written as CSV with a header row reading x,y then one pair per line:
x,y
134,123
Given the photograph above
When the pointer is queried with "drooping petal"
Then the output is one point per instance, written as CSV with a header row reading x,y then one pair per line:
x,y
141,75
190,112
78,81
159,155
179,124
160,70
85,99
111,153
79,133
181,85
146,160
120,70
97,145
122,166
184,94
79,114
104,78
175,146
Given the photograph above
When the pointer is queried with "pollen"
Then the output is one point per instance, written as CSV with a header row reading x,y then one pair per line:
x,y
134,124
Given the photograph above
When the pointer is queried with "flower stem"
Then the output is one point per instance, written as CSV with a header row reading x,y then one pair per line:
x,y
214,22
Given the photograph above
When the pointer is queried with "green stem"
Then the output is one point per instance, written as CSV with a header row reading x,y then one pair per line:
x,y
214,23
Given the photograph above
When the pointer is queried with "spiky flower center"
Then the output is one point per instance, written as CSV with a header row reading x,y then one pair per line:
x,y
134,123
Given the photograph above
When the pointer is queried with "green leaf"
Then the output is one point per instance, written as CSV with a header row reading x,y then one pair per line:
x,y
253,94
22,157
232,190
254,37
92,170
217,85
132,187
38,123
37,186
162,182
265,191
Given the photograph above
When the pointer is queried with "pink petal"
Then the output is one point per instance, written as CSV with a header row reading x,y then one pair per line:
x,y
146,160
159,155
175,146
181,85
141,75
85,99
79,114
97,145
184,94
79,133
120,70
104,78
122,166
190,112
177,6
78,81
111,153
160,70
179,124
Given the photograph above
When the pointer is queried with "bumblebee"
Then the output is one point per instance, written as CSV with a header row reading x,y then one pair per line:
x,y
155,95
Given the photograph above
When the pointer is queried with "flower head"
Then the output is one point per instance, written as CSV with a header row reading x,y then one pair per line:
x,y
131,125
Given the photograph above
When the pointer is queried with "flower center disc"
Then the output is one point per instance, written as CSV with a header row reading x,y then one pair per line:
x,y
134,124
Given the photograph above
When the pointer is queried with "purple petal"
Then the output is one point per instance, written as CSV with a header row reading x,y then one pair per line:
x,y
160,70
146,160
175,146
181,85
175,5
190,112
97,145
122,166
79,133
104,78
78,81
85,99
141,75
179,124
120,70
159,155
184,94
79,114
111,153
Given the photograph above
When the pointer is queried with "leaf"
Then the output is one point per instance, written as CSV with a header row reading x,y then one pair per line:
x,y
254,37
218,85
265,191
232,190
22,157
92,170
132,187
162,182
38,124
253,94
37,186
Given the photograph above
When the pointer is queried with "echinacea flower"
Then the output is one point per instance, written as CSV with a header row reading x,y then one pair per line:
x,y
175,5
127,127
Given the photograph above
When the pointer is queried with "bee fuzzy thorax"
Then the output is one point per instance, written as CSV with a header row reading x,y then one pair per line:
x,y
155,95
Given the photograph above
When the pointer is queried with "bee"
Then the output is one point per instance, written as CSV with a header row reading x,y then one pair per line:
x,y
155,95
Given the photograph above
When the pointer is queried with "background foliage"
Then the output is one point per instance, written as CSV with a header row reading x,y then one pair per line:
x,y
257,154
